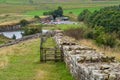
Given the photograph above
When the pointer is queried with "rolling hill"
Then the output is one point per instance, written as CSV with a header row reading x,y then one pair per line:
x,y
47,1
37,7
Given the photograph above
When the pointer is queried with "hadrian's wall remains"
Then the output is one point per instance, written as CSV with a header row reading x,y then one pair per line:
x,y
86,63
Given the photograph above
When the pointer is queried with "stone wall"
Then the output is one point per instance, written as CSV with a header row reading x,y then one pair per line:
x,y
9,27
86,63
20,40
14,26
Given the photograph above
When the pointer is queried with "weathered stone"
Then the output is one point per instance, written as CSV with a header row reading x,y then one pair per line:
x,y
86,63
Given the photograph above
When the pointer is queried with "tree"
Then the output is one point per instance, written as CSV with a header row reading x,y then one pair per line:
x,y
108,17
60,11
37,17
56,13
30,31
14,37
84,15
23,22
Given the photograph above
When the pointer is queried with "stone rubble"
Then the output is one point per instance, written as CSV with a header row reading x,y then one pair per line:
x,y
86,63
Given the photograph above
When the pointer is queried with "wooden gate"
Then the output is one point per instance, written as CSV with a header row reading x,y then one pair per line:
x,y
49,53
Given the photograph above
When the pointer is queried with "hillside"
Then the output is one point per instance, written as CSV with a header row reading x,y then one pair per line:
x,y
48,1
22,6
3,39
37,7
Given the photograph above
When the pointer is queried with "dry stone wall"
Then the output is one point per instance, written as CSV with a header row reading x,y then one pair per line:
x,y
9,27
13,26
86,63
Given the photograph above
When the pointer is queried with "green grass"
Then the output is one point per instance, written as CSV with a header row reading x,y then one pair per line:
x,y
57,26
68,26
3,39
75,11
35,12
50,41
65,26
45,1
22,6
13,18
79,10
23,64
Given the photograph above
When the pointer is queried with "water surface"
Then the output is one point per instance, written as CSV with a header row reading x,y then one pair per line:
x,y
18,34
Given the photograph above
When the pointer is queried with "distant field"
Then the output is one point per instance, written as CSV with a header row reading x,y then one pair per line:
x,y
68,26
24,7
47,1
58,26
21,6
35,12
75,11
12,18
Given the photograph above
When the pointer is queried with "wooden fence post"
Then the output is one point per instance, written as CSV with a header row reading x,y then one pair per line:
x,y
55,54
41,49
61,53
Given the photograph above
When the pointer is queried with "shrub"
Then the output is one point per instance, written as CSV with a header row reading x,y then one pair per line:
x,y
37,17
89,34
106,40
23,22
118,34
14,37
100,37
30,31
70,12
95,32
110,41
56,13
107,17
77,33
84,15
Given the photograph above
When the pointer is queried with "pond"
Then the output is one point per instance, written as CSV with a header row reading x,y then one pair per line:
x,y
18,34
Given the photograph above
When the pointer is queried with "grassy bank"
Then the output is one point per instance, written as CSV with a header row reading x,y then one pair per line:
x,y
12,18
56,26
108,51
80,35
21,62
3,39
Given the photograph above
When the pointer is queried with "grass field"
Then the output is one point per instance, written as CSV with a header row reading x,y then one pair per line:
x,y
68,26
10,6
3,39
57,26
75,11
24,7
46,1
21,62
75,8
13,18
